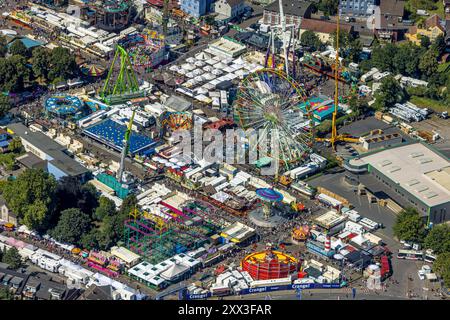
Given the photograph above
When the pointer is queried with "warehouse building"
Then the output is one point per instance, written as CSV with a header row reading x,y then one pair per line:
x,y
414,172
43,152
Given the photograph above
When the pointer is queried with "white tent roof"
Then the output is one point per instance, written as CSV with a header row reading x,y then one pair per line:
x,y
188,66
199,79
203,56
174,271
190,75
198,72
174,68
217,72
190,60
208,68
199,63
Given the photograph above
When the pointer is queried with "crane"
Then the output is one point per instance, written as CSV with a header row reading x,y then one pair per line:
x,y
165,18
126,145
334,135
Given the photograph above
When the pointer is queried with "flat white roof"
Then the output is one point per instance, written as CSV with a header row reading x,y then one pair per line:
x,y
330,219
416,168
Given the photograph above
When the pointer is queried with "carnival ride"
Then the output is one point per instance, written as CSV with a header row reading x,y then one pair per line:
x,y
300,233
92,70
64,106
145,49
335,137
269,264
125,85
158,235
264,215
267,100
173,121
108,14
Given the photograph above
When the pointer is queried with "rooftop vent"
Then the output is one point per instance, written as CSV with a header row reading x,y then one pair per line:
x,y
394,169
412,182
385,163
416,154
430,194
422,188
425,160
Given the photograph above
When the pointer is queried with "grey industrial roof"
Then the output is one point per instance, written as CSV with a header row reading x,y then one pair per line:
x,y
416,168
60,160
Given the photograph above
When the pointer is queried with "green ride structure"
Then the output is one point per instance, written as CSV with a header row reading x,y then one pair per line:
x,y
124,86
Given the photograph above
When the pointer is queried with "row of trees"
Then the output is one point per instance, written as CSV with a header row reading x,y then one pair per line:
x,y
20,69
66,209
410,226
11,257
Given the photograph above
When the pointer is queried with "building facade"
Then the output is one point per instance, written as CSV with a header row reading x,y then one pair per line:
x,y
196,8
294,11
229,8
360,8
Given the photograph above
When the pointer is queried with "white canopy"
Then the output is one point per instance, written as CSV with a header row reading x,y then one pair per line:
x,y
199,63
208,68
203,56
188,66
198,72
190,60
174,68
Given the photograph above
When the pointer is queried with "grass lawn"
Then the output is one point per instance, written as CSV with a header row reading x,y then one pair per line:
x,y
429,103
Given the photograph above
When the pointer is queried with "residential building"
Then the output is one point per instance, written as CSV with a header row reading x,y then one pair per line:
x,y
415,173
196,8
5,139
361,8
6,214
13,280
323,29
432,29
42,151
388,22
229,9
42,287
294,11
95,292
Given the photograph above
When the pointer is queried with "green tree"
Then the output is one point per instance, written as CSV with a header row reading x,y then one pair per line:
x,y
383,57
425,42
63,64
5,294
41,63
90,240
410,226
72,225
5,105
354,51
3,47
429,63
389,93
12,258
15,145
13,73
30,196
18,48
442,267
310,39
106,207
438,239
324,128
329,7
439,45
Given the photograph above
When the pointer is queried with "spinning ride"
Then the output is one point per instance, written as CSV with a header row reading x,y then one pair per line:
x,y
145,49
268,100
264,216
173,121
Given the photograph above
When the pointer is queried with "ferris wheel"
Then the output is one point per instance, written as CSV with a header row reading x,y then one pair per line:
x,y
268,100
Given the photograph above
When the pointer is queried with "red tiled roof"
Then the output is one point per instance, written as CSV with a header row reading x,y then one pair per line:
x,y
323,26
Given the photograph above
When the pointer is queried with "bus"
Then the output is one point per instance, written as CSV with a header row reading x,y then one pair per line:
x,y
429,256
410,254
